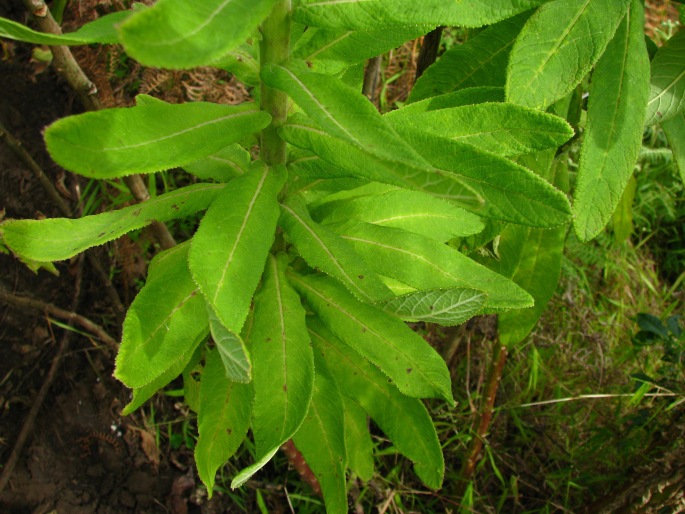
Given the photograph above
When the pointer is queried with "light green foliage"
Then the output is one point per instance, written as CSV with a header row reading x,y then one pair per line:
x,y
358,443
442,306
675,132
423,263
370,14
341,112
184,33
102,30
558,46
485,183
409,210
232,350
230,246
332,51
500,128
305,270
102,145
223,419
404,420
61,238
165,321
622,219
321,439
415,368
325,250
613,136
480,61
222,166
667,85
283,361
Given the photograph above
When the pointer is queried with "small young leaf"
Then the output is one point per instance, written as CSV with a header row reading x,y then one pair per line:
x,y
226,164
332,51
358,443
480,61
223,418
184,33
667,86
103,30
283,362
622,219
156,136
230,347
321,439
404,420
423,263
447,307
558,46
409,210
57,239
613,136
230,246
501,128
327,251
165,321
415,368
374,14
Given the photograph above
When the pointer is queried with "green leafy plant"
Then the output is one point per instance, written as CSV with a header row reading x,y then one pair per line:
x,y
292,296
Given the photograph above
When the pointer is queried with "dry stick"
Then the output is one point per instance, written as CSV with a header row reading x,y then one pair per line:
x,y
67,66
33,304
27,427
371,74
482,423
296,458
38,172
429,51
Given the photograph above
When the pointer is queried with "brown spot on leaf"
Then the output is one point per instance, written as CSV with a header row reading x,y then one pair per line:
x,y
409,370
285,388
136,212
361,277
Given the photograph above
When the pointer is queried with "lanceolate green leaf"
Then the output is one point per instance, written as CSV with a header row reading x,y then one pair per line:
x,y
223,418
480,61
558,46
165,321
415,368
321,439
423,263
358,443
404,420
230,246
230,347
184,33
675,132
142,394
613,136
341,111
61,238
327,251
509,191
283,360
501,128
446,307
373,14
410,210
468,96
331,51
152,137
103,30
226,164
667,86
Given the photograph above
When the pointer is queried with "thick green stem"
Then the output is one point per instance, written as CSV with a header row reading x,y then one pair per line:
x,y
275,49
